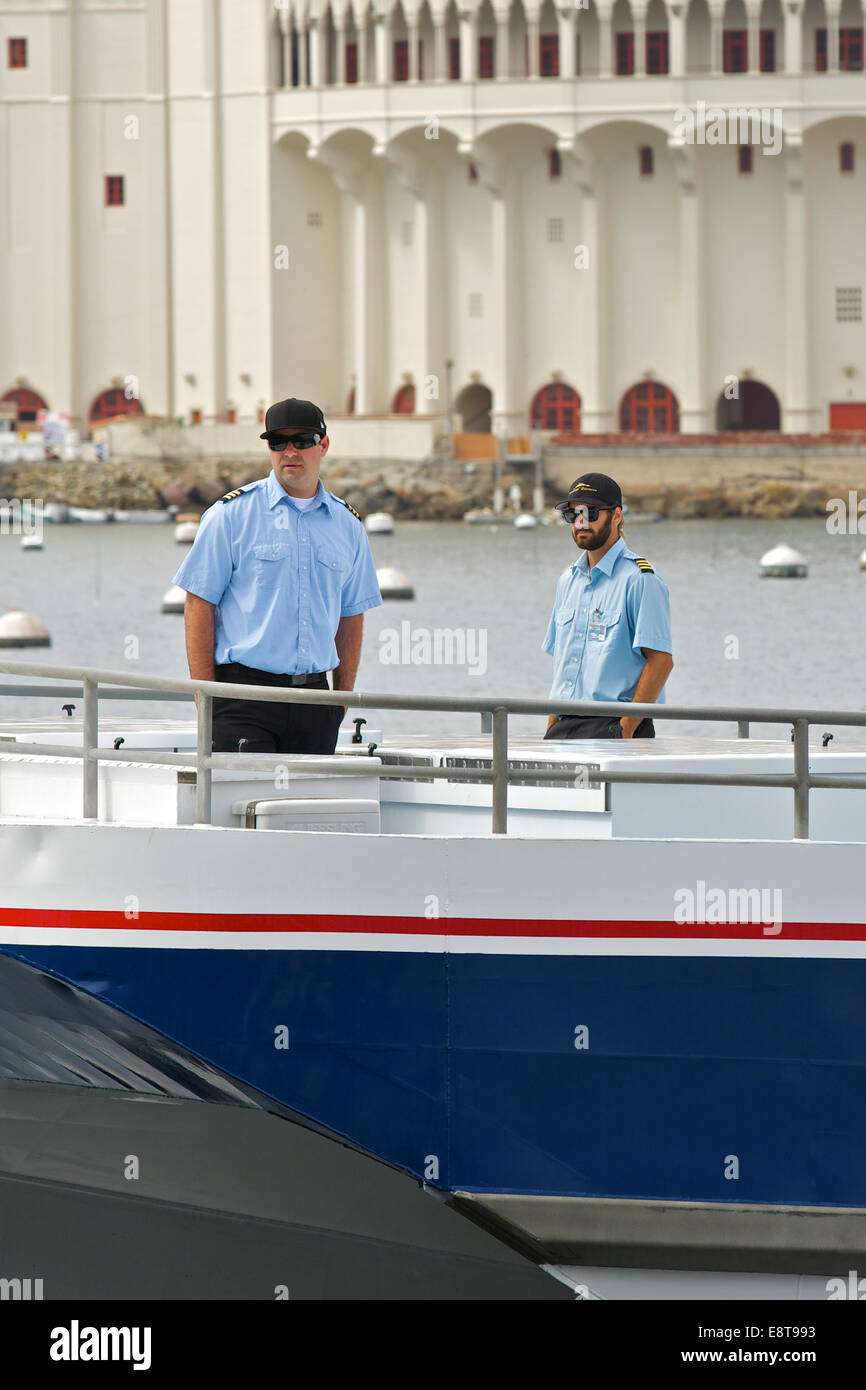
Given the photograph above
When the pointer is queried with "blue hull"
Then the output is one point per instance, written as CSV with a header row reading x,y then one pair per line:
x,y
463,1069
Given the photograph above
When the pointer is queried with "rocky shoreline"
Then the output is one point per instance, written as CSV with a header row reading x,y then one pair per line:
x,y
439,491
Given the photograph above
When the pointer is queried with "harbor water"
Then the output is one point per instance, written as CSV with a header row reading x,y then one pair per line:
x,y
483,599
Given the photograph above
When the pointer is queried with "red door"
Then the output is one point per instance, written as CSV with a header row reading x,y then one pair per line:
x,y
649,408
556,407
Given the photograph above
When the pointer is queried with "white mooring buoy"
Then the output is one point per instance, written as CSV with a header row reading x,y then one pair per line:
x,y
32,543
394,583
186,528
525,521
20,629
380,524
783,562
174,599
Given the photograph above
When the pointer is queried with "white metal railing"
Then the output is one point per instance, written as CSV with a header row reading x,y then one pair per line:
x,y
801,781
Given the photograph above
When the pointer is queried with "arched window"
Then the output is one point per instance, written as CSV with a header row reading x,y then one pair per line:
x,y
112,404
556,407
756,407
27,404
649,408
404,401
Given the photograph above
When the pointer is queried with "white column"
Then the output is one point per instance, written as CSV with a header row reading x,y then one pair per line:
x,y
508,404
753,17
468,46
532,31
303,75
440,48
833,38
565,20
605,41
413,52
286,47
694,416
796,415
502,49
382,33
676,39
361,38
578,166
793,36
318,72
340,43
639,20
716,22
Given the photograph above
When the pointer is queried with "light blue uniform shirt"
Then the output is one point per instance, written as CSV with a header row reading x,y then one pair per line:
x,y
601,619
281,578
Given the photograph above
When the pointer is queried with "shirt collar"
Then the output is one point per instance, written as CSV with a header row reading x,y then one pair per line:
x,y
607,561
277,493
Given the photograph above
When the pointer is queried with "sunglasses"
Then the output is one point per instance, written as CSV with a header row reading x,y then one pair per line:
x,y
279,442
583,513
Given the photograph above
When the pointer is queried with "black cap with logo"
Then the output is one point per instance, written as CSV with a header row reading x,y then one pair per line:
x,y
294,414
595,489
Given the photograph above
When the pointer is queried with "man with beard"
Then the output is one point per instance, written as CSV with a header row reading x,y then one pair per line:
x,y
610,630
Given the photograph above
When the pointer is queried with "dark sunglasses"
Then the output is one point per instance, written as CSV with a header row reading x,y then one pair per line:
x,y
279,442
591,513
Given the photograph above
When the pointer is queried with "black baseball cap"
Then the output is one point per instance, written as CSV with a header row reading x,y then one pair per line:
x,y
595,489
293,414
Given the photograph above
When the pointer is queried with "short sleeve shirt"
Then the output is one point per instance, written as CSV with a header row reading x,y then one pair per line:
x,y
281,578
601,620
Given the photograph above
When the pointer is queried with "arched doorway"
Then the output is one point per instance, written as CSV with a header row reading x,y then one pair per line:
x,y
556,407
111,404
404,401
473,404
649,408
27,405
756,407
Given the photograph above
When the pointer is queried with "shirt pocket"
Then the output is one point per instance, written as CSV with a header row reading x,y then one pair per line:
x,y
333,560
611,630
272,564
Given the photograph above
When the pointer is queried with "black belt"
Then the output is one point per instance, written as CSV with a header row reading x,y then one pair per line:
x,y
273,677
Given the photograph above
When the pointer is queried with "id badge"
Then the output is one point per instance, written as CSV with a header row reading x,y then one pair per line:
x,y
597,627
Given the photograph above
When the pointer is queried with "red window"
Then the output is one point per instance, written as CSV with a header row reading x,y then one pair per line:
x,y
17,53
454,59
404,401
556,407
768,50
846,158
649,408
646,159
657,52
736,50
485,57
554,164
744,159
115,195
401,60
820,50
113,403
548,55
851,50
27,403
351,62
624,55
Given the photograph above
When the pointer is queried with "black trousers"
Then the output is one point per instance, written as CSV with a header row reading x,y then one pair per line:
x,y
268,727
595,726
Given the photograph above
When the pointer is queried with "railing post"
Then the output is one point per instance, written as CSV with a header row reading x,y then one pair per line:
x,y
500,770
742,728
801,776
90,740
203,776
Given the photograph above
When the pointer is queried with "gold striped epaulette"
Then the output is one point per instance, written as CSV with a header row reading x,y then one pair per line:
x,y
350,508
230,496
643,565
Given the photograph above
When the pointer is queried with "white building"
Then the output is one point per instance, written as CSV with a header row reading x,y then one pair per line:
x,y
522,210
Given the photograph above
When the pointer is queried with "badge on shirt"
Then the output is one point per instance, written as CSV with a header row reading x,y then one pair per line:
x,y
597,627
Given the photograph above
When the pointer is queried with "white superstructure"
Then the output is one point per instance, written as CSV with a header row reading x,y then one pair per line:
x,y
394,210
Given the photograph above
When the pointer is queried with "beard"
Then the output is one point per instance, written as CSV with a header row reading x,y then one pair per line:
x,y
599,539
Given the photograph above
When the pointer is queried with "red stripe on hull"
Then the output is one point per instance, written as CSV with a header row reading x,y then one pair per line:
x,y
92,920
